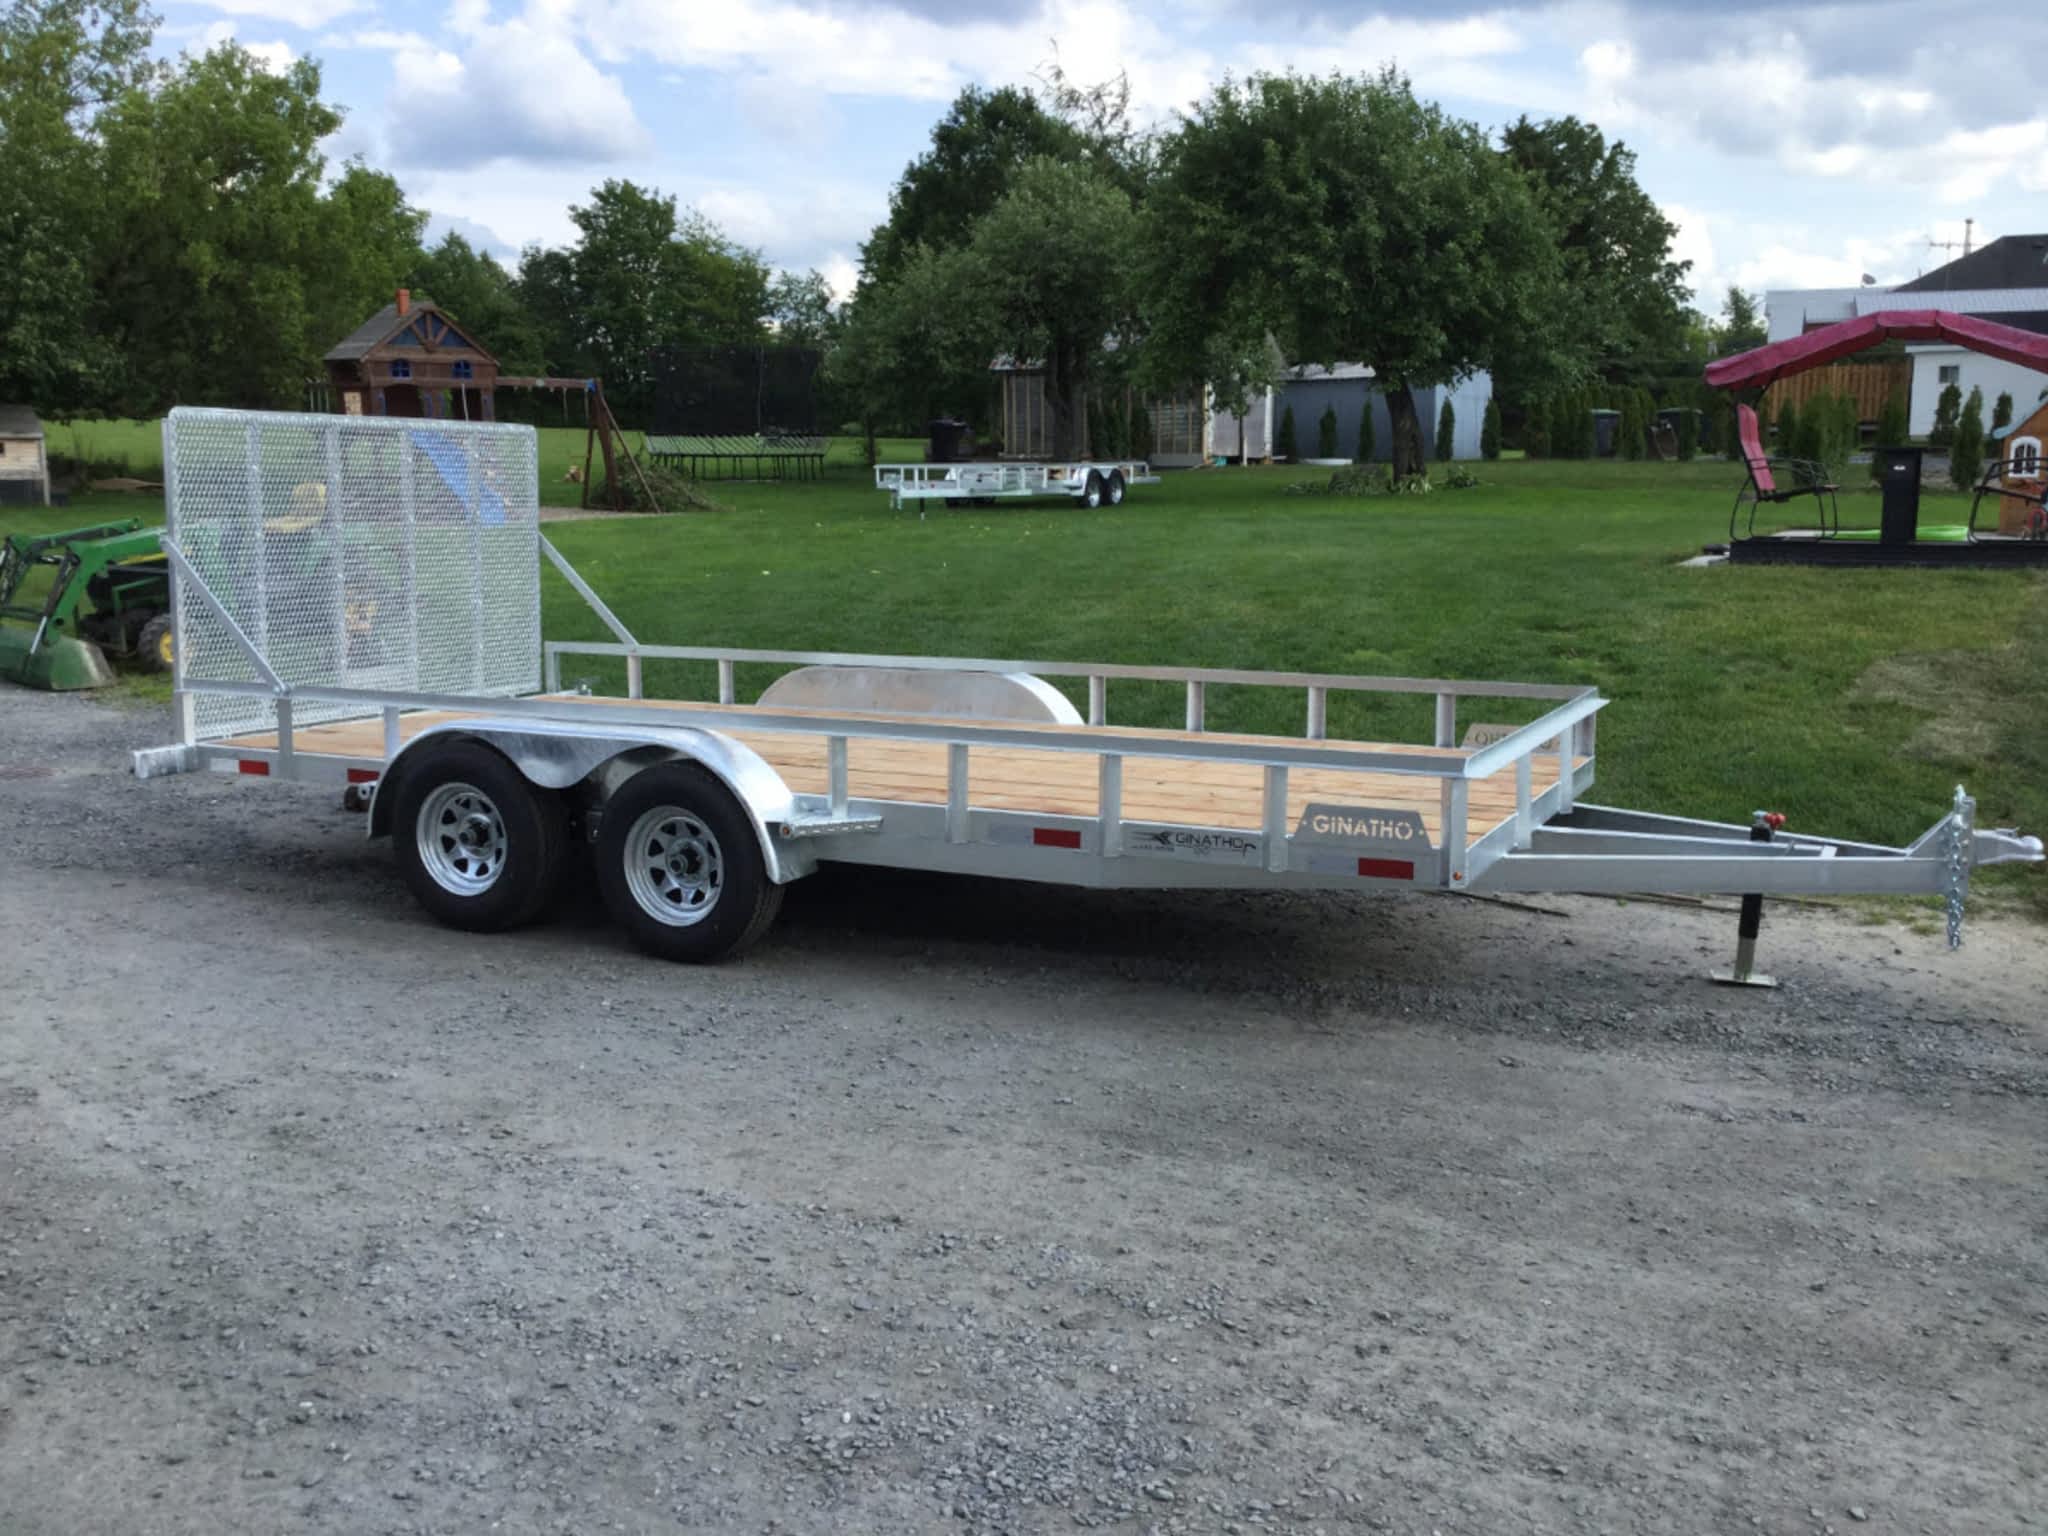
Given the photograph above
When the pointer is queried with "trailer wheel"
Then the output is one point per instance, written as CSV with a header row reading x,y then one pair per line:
x,y
156,643
480,847
1113,492
1091,493
680,867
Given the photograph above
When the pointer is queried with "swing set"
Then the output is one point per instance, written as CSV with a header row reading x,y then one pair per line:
x,y
602,435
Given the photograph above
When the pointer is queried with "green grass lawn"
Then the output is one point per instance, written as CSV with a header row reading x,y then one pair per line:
x,y
1852,700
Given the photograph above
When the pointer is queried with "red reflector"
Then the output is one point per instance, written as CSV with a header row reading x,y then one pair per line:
x,y
1056,837
362,775
254,765
1387,869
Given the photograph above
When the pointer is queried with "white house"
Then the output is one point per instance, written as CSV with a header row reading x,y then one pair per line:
x,y
2006,281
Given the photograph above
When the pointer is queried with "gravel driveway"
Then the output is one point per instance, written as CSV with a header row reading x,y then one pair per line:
x,y
969,1208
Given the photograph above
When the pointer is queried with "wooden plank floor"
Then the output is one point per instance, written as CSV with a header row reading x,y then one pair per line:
x,y
1160,789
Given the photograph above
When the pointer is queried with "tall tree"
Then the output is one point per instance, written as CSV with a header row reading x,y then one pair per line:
x,y
1350,222
61,63
976,150
1742,324
911,349
369,245
800,305
640,276
1627,293
1050,267
217,178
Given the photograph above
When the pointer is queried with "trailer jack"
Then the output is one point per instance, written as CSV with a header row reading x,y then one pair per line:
x,y
1762,824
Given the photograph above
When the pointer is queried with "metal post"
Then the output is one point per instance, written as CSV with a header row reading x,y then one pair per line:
x,y
393,738
184,701
1098,700
1447,719
1525,802
1196,704
1452,809
408,501
633,676
726,691
476,569
1274,820
1318,713
254,480
331,442
285,751
835,773
1744,973
956,792
1567,771
1109,802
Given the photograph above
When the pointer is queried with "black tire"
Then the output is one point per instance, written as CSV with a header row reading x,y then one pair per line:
x,y
1113,490
155,643
681,868
1091,492
524,826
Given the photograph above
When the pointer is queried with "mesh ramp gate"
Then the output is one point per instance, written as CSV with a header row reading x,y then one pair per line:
x,y
354,552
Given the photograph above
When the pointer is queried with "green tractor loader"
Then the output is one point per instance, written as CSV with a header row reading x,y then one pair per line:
x,y
68,599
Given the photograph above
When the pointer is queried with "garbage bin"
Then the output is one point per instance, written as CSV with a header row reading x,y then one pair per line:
x,y
946,434
1605,425
1898,474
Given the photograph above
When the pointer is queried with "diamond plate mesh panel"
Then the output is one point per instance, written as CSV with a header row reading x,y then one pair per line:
x,y
354,552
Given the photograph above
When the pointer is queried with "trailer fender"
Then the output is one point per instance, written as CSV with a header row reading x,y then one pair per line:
x,y
557,754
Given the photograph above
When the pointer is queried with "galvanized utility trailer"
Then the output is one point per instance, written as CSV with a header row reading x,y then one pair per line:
x,y
388,641
1091,482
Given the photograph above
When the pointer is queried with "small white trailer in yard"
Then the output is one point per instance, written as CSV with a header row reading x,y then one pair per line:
x,y
358,604
1091,482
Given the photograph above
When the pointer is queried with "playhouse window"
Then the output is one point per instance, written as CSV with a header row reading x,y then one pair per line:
x,y
401,368
2025,456
463,368
1951,373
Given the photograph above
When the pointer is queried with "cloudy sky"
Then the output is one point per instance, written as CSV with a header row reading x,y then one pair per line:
x,y
1794,144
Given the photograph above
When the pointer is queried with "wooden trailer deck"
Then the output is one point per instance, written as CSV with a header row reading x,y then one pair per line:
x,y
1155,789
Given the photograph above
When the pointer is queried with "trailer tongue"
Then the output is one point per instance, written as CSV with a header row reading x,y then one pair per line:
x,y
405,661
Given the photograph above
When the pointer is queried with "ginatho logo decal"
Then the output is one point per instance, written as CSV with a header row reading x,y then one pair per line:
x,y
1362,825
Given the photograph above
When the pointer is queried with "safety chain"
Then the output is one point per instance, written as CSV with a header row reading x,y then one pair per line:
x,y
1962,823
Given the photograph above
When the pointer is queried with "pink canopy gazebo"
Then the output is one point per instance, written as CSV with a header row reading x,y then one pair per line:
x,y
1780,359
1899,537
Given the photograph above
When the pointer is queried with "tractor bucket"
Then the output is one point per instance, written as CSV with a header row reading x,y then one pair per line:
x,y
56,664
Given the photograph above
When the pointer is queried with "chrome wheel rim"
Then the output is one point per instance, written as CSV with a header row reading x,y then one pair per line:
x,y
461,839
674,866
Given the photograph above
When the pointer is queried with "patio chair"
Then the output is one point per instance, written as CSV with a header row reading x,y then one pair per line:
x,y
2020,478
1809,478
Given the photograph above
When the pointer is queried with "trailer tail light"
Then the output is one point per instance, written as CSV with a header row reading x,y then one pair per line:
x,y
362,775
255,765
1056,837
1387,869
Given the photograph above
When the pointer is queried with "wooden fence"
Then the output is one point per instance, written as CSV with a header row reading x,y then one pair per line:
x,y
1868,384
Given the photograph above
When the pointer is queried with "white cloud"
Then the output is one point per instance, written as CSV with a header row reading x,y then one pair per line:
x,y
379,40
1779,94
300,13
521,89
275,56
841,275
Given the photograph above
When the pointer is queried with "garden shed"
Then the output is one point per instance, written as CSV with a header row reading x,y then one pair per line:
x,y
412,360
24,459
